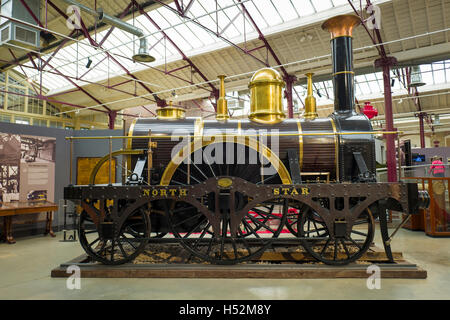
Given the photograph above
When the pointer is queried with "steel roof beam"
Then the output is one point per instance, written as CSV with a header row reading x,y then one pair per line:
x,y
90,29
185,58
112,87
213,33
159,101
76,85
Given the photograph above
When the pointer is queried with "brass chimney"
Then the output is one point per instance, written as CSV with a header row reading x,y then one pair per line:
x,y
341,29
266,95
170,113
222,104
310,102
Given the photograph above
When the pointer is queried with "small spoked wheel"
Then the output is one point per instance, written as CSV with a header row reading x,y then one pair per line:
x,y
250,237
123,247
333,249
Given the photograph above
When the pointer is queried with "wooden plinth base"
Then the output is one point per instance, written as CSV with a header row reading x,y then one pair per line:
x,y
271,265
269,271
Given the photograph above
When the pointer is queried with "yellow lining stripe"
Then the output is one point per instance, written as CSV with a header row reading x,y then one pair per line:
x,y
198,127
300,142
129,144
336,149
341,72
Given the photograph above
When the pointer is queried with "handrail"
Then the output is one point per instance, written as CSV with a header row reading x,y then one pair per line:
x,y
164,136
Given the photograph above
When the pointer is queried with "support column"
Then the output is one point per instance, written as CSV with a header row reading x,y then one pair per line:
x,y
386,64
112,119
421,116
290,79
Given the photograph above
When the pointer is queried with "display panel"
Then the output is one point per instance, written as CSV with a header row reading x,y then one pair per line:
x,y
27,171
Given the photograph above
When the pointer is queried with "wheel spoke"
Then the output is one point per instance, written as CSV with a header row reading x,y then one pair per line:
x,y
112,249
121,249
202,235
355,243
95,241
325,247
335,249
316,230
188,219
252,231
195,228
261,224
360,233
345,247
198,169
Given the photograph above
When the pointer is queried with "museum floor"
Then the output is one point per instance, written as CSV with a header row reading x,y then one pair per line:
x,y
25,274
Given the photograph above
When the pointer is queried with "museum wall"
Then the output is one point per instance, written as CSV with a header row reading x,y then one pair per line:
x,y
61,156
96,148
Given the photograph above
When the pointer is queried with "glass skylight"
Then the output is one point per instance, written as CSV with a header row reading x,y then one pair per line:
x,y
372,84
189,37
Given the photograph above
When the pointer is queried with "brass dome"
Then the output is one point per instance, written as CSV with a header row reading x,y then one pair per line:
x,y
266,97
170,112
266,74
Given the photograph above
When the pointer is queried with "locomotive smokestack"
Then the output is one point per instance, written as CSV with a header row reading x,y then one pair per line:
x,y
222,104
341,28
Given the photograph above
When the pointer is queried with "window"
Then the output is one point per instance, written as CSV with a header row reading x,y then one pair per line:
x,y
35,106
16,102
5,118
2,98
22,120
56,124
6,9
40,122
52,110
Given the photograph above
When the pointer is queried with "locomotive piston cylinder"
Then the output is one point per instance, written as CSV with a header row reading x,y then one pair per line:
x,y
341,28
266,95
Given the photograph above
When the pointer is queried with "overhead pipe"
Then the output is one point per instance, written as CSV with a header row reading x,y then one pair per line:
x,y
142,55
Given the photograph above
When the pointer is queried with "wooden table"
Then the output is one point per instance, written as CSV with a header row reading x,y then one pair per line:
x,y
8,210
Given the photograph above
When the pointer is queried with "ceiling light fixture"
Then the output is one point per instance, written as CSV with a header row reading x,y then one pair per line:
x,y
88,64
302,37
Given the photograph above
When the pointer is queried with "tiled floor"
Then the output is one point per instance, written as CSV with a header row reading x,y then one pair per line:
x,y
25,274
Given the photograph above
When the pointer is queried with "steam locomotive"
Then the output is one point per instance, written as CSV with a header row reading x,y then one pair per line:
x,y
228,189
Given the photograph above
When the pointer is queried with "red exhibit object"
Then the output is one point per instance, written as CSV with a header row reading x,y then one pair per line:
x,y
369,110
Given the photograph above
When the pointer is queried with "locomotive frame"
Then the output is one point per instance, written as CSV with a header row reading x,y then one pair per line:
x,y
324,215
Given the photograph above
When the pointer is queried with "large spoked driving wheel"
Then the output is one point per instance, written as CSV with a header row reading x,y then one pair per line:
x,y
245,164
125,246
248,240
333,249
